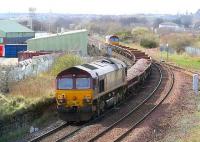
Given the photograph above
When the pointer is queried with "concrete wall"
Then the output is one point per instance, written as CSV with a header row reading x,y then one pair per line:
x,y
25,69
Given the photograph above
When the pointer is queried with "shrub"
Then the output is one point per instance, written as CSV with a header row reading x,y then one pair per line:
x,y
65,62
139,32
148,43
178,41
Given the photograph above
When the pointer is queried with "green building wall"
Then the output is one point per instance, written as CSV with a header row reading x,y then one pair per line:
x,y
69,41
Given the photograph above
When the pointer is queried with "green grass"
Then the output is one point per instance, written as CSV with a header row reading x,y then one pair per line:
x,y
183,60
15,134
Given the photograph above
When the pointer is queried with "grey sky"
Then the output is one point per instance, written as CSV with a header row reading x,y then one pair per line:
x,y
102,6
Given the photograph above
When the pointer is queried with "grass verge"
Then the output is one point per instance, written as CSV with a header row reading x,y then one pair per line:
x,y
33,95
182,60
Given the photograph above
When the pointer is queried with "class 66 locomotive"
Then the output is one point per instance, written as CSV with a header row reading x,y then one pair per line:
x,y
85,91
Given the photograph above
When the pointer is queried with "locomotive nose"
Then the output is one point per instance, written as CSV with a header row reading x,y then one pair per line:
x,y
74,98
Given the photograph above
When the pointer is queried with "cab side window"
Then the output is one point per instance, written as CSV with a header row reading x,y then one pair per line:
x,y
101,86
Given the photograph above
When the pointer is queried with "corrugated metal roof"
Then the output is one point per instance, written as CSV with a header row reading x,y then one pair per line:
x,y
75,41
59,34
9,26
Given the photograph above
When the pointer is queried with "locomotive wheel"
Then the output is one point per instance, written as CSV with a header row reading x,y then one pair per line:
x,y
102,106
118,97
98,112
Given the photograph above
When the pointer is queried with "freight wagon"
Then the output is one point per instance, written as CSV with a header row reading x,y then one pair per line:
x,y
1,50
23,55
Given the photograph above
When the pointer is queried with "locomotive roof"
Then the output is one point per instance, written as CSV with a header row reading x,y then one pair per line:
x,y
101,67
109,36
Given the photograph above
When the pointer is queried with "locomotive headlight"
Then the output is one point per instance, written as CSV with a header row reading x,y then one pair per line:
x,y
87,99
61,99
61,96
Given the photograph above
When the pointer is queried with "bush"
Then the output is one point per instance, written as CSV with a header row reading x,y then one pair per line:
x,y
149,42
65,62
139,32
178,40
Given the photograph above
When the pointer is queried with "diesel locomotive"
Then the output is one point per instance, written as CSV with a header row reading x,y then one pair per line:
x,y
86,90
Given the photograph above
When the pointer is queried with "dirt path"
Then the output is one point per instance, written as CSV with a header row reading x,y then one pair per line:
x,y
163,120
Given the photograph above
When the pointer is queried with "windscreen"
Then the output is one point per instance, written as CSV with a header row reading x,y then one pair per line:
x,y
115,39
65,83
82,83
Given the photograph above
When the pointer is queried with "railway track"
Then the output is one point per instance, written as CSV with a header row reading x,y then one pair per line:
x,y
65,130
45,132
126,106
113,132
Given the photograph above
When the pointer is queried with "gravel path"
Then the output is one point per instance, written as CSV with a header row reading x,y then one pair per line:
x,y
164,118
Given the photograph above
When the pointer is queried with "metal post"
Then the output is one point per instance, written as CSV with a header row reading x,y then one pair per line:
x,y
161,56
167,45
196,83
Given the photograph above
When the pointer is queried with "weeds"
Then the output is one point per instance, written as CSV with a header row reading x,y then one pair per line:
x,y
35,91
11,136
64,62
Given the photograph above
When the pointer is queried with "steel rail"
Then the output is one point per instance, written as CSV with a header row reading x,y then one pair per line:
x,y
133,110
152,110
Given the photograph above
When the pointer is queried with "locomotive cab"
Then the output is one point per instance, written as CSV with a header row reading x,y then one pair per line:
x,y
112,39
74,91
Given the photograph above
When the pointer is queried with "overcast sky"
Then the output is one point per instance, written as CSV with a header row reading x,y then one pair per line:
x,y
102,6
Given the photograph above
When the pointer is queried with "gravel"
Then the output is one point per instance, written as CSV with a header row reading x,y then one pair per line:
x,y
163,120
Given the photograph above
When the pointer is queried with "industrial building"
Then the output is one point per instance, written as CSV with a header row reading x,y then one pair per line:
x,y
13,38
74,41
12,32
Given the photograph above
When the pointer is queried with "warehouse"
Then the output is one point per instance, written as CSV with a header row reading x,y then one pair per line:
x,y
12,32
74,41
13,38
